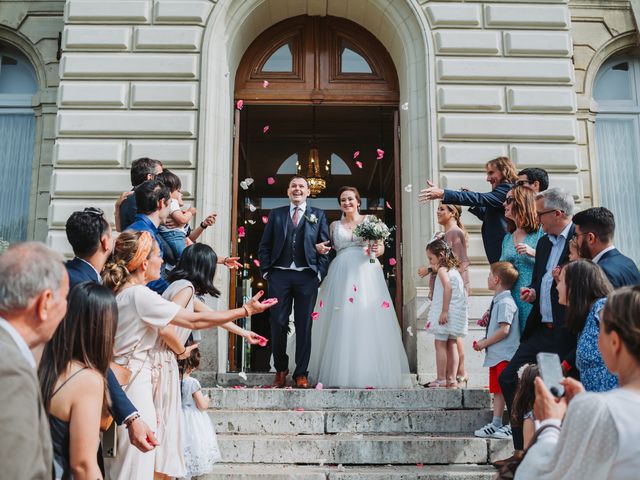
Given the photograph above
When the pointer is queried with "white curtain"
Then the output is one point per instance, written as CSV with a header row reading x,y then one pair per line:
x,y
619,175
16,164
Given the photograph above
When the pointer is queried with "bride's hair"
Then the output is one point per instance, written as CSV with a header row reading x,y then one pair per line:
x,y
350,189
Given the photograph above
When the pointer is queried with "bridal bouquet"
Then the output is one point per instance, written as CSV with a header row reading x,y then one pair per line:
x,y
372,229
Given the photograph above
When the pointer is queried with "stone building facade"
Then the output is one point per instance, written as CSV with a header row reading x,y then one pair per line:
x,y
117,80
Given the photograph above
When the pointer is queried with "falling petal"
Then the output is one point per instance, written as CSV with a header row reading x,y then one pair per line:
x,y
341,468
265,84
271,180
420,465
240,104
385,304
248,180
355,289
369,387
265,219
314,315
356,154
408,188
427,326
244,185
388,205
298,409
256,262
351,299
392,261
321,303
241,232
319,386
252,222
265,129
252,207
358,164
410,331
262,341
243,376
405,106
380,153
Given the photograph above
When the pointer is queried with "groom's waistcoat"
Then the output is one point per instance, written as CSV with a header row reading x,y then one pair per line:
x,y
293,248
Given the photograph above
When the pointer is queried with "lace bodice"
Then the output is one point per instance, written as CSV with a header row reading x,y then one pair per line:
x,y
342,237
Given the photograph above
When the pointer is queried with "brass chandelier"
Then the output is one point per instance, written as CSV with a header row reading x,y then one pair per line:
x,y
316,178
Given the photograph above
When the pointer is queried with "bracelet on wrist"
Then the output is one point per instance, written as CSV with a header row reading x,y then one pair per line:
x,y
131,419
246,310
203,225
183,352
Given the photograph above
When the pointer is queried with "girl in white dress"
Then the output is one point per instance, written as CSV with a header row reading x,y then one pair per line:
x,y
447,319
201,449
356,337
142,313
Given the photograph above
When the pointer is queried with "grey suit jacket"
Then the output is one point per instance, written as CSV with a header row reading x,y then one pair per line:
x,y
25,440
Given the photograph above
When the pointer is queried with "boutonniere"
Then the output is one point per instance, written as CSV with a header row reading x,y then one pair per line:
x,y
311,218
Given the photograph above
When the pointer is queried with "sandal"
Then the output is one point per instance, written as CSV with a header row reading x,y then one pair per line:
x,y
463,379
437,383
452,384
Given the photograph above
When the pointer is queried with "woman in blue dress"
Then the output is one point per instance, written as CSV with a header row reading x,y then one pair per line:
x,y
519,245
583,288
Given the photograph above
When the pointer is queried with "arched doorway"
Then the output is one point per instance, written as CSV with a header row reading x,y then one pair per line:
x,y
312,91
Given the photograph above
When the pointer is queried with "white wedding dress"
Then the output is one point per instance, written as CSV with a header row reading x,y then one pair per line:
x,y
356,340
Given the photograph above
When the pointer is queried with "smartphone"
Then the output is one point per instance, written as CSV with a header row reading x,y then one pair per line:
x,y
110,441
551,372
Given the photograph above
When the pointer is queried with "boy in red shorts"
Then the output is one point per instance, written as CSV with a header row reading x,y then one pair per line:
x,y
501,342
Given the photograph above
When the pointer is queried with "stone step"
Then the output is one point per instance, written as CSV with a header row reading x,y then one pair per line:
x,y
252,380
350,449
347,399
226,471
344,421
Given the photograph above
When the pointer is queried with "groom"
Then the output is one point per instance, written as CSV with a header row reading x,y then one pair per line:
x,y
288,259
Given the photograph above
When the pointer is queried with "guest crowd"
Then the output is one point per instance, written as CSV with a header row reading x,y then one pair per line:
x,y
113,326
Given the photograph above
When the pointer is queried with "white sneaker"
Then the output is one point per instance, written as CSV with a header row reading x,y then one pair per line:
x,y
504,432
486,432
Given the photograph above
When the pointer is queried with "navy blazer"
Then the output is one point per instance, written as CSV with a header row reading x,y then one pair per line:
x,y
488,208
620,270
275,234
121,406
543,249
128,211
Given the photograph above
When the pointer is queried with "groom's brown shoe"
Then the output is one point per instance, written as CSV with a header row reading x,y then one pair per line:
x,y
281,379
302,382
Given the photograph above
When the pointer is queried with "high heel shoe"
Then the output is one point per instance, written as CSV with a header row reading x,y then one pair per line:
x,y
437,383
463,379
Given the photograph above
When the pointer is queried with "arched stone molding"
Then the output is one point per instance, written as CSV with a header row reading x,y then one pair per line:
x,y
401,26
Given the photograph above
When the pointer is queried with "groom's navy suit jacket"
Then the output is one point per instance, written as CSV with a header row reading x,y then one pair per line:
x,y
121,406
275,234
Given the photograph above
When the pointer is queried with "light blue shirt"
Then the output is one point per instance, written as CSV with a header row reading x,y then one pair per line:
x,y
503,310
546,311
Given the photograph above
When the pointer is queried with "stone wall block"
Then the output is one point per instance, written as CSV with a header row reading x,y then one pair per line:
x,y
168,38
107,11
92,153
541,99
126,124
504,70
527,16
163,95
93,94
547,44
182,12
172,153
470,155
36,28
468,42
452,97
454,15
101,37
61,209
508,127
127,65
550,157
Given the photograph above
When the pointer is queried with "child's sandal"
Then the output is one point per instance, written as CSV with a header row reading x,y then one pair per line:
x,y
436,384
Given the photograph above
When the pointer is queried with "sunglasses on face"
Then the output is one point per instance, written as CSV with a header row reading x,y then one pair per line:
x,y
509,200
522,183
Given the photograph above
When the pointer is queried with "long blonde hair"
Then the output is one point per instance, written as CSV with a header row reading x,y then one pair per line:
x,y
506,167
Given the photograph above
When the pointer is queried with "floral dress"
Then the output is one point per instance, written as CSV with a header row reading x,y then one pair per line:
x,y
594,374
524,265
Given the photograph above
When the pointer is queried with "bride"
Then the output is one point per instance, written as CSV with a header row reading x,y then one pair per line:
x,y
356,337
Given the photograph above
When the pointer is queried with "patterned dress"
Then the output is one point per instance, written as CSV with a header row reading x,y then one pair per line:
x,y
594,374
524,265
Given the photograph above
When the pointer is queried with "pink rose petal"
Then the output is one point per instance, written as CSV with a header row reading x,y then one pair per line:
x,y
358,164
265,219
356,154
355,289
256,262
298,409
314,315
262,341
241,232
240,104
380,153
420,465
321,303
265,129
351,299
369,387
265,84
388,205
427,326
385,304
319,386
271,180
392,261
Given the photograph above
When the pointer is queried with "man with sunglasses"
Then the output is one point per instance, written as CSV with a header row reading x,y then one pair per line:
x,y
90,237
545,330
537,179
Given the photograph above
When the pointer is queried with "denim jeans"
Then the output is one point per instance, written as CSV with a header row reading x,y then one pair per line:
x,y
176,240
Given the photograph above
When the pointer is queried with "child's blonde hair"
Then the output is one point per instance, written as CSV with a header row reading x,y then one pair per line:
x,y
448,258
506,272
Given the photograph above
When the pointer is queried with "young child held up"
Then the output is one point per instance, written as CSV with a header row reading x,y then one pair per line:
x,y
175,231
201,449
447,319
501,342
